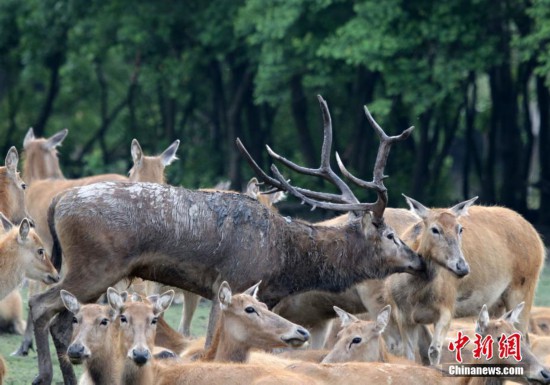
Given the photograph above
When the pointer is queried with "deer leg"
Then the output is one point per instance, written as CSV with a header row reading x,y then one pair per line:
x,y
26,344
424,340
409,335
190,303
512,298
61,331
440,332
318,334
212,321
392,337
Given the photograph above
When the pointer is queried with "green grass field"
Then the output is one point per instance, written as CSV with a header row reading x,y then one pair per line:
x,y
23,370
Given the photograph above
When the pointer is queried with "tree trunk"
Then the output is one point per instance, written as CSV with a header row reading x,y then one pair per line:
x,y
299,113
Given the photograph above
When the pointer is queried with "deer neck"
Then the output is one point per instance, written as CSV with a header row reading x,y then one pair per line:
x,y
224,348
384,356
103,369
35,169
11,270
137,375
325,258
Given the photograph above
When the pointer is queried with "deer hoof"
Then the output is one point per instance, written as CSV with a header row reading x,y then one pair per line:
x,y
23,350
40,380
434,355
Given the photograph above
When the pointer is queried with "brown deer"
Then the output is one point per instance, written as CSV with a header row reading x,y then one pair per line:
x,y
356,373
11,313
3,370
196,239
539,320
245,323
503,271
22,255
12,189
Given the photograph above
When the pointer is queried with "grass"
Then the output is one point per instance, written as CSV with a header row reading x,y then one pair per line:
x,y
23,370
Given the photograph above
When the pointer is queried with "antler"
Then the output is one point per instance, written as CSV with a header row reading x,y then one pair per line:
x,y
346,201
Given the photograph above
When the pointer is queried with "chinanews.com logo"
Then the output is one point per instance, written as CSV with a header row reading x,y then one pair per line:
x,y
509,346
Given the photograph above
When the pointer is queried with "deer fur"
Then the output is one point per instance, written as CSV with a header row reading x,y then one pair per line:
x,y
539,320
505,254
11,313
3,370
22,255
12,189
245,323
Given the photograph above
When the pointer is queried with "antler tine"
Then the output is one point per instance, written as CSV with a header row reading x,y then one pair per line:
x,y
280,186
324,171
377,183
316,203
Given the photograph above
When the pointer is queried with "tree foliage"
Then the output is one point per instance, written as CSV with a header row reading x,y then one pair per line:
x,y
471,75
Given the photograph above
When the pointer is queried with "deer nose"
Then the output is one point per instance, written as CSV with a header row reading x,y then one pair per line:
x,y
462,268
52,278
546,375
304,333
140,356
76,351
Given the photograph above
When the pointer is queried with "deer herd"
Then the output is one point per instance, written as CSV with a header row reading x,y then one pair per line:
x,y
381,292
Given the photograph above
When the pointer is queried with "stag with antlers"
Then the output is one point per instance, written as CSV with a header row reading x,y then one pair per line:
x,y
197,239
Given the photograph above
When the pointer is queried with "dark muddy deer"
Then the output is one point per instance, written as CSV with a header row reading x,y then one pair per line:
x,y
196,239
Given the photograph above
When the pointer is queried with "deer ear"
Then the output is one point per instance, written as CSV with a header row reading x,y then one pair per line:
x,y
224,295
70,301
513,315
24,229
417,207
462,208
163,302
345,317
252,188
136,151
277,197
115,299
12,159
253,290
29,137
6,223
56,139
482,321
169,155
383,318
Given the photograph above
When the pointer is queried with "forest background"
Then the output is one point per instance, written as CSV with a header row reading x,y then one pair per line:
x,y
471,76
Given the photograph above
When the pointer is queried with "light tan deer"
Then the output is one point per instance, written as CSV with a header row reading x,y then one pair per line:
x,y
22,255
3,370
12,189
502,271
539,320
245,323
11,313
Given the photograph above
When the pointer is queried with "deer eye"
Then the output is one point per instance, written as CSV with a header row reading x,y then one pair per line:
x,y
356,340
390,236
123,318
250,310
104,322
41,253
435,231
154,321
24,186
75,321
461,230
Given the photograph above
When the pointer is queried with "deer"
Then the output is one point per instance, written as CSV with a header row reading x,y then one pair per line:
x,y
3,370
12,189
502,272
115,342
11,313
22,255
195,240
42,166
356,373
539,320
245,323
